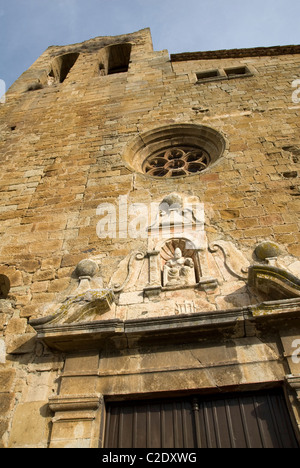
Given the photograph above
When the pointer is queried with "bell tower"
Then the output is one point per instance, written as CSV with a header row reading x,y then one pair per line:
x,y
149,255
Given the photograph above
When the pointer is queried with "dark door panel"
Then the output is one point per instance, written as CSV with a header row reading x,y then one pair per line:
x,y
240,420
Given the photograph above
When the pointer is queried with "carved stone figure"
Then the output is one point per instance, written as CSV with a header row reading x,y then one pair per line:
x,y
179,270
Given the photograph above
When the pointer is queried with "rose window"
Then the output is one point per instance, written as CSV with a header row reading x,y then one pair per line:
x,y
174,151
176,162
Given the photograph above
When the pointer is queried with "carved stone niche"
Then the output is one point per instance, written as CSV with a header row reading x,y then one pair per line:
x,y
179,264
177,248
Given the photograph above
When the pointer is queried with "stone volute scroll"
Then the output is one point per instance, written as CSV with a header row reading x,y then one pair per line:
x,y
135,256
275,274
87,301
234,260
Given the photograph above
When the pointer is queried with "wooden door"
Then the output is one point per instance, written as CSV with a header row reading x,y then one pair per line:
x,y
243,420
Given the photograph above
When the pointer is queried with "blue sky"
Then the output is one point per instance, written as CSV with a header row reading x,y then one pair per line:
x,y
28,27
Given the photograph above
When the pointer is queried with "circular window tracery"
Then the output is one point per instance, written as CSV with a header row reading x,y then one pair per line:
x,y
176,162
176,150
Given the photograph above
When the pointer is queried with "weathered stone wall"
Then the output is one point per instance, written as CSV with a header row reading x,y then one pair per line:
x,y
61,148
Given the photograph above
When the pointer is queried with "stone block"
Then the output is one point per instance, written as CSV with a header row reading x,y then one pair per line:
x,y
2,350
7,401
81,362
44,275
71,443
16,326
6,380
77,385
62,158
39,386
30,425
21,344
136,297
72,259
3,428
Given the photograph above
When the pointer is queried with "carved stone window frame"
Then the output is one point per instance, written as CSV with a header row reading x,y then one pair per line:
x,y
228,73
114,59
162,139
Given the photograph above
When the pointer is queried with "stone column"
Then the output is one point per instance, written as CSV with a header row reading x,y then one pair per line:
x,y
78,408
291,345
77,421
154,286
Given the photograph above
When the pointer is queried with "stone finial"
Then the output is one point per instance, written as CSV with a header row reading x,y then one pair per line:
x,y
171,201
86,268
267,249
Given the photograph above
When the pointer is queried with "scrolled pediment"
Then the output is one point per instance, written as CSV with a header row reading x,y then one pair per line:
x,y
82,307
277,283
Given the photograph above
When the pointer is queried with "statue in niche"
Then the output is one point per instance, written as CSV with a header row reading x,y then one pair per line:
x,y
179,270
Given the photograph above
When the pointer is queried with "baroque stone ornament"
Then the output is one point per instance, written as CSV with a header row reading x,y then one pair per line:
x,y
88,301
266,250
135,256
87,268
233,259
277,283
80,308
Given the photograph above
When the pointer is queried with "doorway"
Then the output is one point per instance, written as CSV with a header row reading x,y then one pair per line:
x,y
238,420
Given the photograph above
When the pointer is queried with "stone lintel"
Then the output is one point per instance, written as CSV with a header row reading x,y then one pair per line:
x,y
188,327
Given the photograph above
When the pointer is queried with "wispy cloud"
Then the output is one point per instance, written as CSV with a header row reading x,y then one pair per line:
x,y
70,13
28,27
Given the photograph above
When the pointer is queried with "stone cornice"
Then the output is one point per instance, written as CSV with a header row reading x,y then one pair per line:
x,y
183,327
294,383
74,402
236,53
276,282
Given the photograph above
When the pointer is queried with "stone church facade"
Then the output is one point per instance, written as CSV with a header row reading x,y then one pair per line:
x,y
149,256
